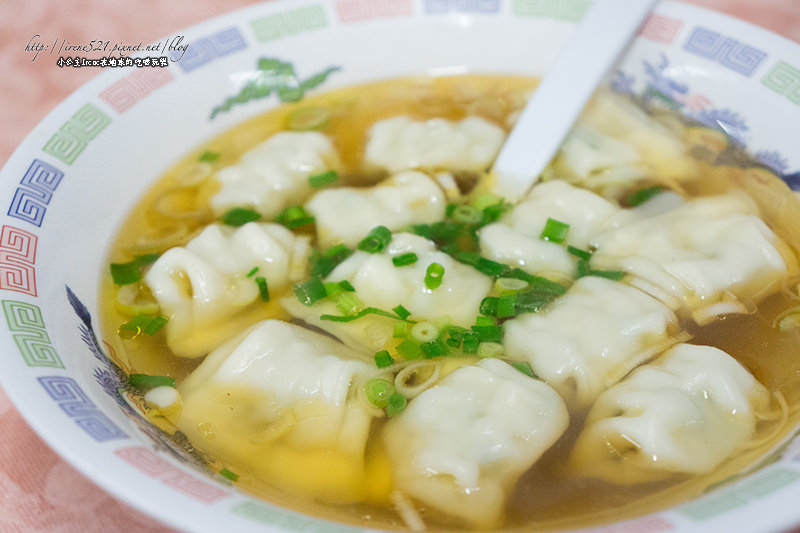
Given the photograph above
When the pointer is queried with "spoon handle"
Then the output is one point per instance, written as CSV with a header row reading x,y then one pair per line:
x,y
605,31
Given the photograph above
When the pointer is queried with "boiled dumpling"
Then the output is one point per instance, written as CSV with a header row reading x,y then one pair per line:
x,y
460,446
343,214
378,283
699,253
279,401
202,286
685,413
516,239
274,174
400,143
588,339
616,142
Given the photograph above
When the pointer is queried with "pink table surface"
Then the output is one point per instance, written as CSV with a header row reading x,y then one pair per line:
x,y
38,490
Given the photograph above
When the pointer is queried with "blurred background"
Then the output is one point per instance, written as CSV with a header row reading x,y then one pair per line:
x,y
40,492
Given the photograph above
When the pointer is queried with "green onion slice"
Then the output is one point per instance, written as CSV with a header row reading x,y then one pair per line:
x,y
263,288
378,391
580,254
396,405
404,259
229,474
364,312
208,157
383,359
130,272
322,264
466,214
146,381
424,332
524,367
410,350
146,324
321,180
376,240
642,195
434,275
239,216
294,216
554,231
310,292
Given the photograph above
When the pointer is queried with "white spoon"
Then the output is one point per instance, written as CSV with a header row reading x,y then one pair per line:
x,y
597,42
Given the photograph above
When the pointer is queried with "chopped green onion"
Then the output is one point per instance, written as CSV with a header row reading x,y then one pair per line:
x,y
208,157
488,333
228,474
580,254
376,240
434,275
253,272
294,216
532,301
348,303
347,286
239,216
510,285
311,291
146,381
506,306
321,180
434,348
470,343
485,200
442,233
396,405
614,275
493,212
642,195
263,288
490,268
402,312
537,283
524,367
332,289
322,264
582,268
424,332
383,359
554,231
484,321
146,324
130,272
490,349
364,312
410,350
404,259
378,391
308,118
488,306
466,214
400,330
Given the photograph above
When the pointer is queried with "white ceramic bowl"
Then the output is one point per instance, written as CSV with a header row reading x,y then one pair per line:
x,y
70,184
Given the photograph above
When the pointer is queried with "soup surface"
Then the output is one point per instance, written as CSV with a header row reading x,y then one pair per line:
x,y
467,283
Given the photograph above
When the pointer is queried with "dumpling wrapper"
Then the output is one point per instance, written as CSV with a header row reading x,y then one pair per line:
x,y
278,401
274,175
516,240
614,142
460,446
203,286
588,339
694,254
685,413
400,143
378,283
346,214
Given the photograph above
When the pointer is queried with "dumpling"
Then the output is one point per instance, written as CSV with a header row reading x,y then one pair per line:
x,y
345,214
699,253
516,239
378,283
460,446
588,339
685,413
279,401
400,143
615,141
202,286
274,174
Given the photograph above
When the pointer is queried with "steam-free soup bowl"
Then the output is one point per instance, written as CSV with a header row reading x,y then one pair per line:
x,y
67,188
